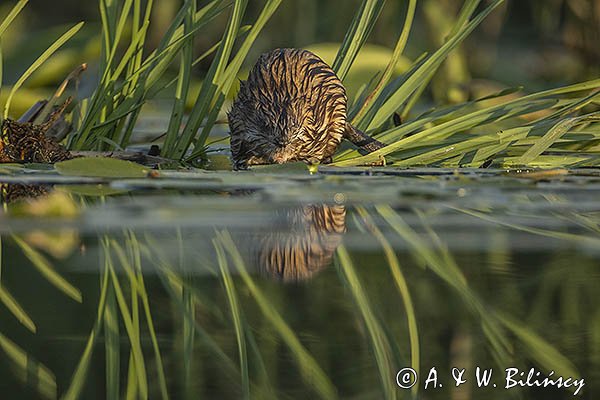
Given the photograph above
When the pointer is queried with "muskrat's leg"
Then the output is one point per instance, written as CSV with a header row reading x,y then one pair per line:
x,y
365,143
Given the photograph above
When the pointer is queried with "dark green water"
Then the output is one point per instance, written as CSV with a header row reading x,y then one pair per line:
x,y
289,286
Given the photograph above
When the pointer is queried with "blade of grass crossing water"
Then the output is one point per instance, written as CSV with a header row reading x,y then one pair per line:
x,y
28,369
174,286
112,344
235,316
79,376
379,341
310,370
132,265
137,263
16,310
403,289
44,267
133,334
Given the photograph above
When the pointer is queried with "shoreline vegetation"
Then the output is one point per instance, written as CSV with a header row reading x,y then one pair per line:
x,y
557,128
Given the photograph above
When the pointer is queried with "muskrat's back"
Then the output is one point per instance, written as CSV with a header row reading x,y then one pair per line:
x,y
291,108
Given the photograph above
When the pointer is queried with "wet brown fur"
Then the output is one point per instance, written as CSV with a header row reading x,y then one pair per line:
x,y
291,108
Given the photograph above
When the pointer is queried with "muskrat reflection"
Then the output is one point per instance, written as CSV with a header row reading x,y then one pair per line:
x,y
10,193
304,243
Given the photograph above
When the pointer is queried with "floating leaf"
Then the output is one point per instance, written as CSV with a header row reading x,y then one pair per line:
x,y
288,168
101,167
91,190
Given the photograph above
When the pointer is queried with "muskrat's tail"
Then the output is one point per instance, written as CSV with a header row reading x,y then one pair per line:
x,y
365,143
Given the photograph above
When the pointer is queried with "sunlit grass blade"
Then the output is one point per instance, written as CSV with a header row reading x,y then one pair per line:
x,y
112,344
189,335
78,379
539,350
387,73
360,28
378,338
134,247
132,333
310,370
434,61
555,133
441,262
572,237
38,62
44,267
28,369
235,315
402,287
174,285
10,17
432,135
210,85
15,309
221,77
183,83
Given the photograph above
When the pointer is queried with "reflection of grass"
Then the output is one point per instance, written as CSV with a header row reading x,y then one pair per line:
x,y
309,368
379,340
402,286
493,323
223,320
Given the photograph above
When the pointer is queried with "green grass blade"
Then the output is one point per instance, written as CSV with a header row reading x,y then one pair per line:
x,y
515,107
183,83
555,133
310,370
132,333
236,316
434,61
360,28
538,349
44,267
403,289
73,392
29,369
40,60
112,344
13,306
387,74
12,15
143,294
378,338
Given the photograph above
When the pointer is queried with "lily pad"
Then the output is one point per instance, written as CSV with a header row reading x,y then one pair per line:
x,y
287,168
218,162
91,190
101,167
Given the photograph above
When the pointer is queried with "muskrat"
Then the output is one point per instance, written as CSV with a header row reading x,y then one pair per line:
x,y
291,108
